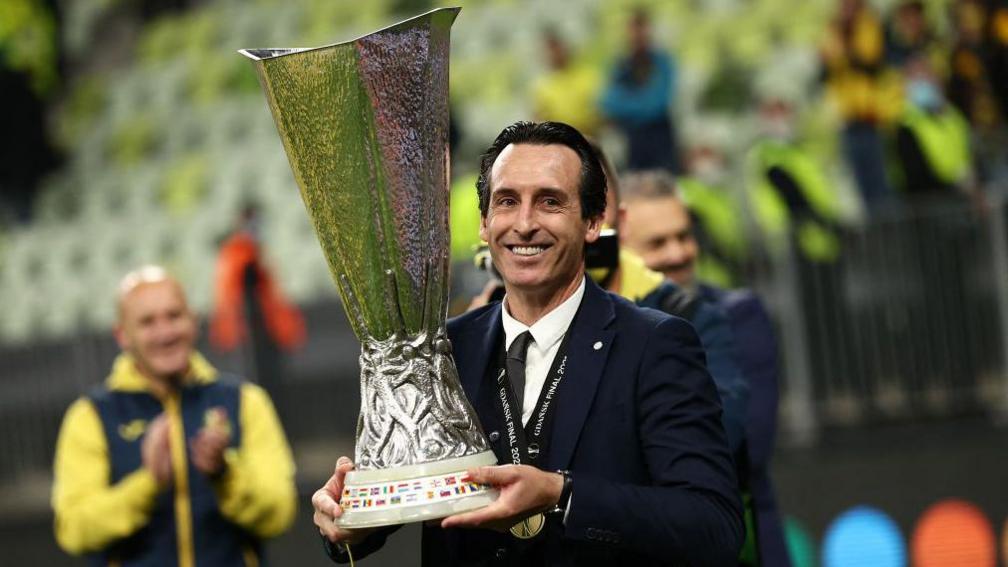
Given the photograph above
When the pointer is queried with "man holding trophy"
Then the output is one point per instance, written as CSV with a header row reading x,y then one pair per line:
x,y
603,415
615,398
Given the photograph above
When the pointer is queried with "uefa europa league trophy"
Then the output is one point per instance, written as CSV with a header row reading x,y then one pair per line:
x,y
365,126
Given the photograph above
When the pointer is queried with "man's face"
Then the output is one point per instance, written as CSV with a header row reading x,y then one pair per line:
x,y
660,232
157,328
533,223
556,53
639,35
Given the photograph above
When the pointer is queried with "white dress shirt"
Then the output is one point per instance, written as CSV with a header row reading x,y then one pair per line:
x,y
546,335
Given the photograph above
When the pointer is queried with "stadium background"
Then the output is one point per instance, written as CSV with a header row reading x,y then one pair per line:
x,y
153,134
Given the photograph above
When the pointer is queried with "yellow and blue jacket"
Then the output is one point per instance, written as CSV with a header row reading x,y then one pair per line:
x,y
109,506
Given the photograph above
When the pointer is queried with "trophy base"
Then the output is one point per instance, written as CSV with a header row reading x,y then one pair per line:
x,y
414,493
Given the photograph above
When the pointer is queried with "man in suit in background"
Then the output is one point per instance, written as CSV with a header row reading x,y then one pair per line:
x,y
659,228
630,462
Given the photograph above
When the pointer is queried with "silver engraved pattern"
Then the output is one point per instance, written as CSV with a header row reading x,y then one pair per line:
x,y
412,409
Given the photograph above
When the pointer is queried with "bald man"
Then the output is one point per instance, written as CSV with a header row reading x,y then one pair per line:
x,y
167,462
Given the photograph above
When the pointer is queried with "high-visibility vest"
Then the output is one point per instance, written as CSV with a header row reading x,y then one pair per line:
x,y
814,232
464,218
720,219
943,138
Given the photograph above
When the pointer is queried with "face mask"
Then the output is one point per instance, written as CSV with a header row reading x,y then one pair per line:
x,y
708,171
778,129
924,94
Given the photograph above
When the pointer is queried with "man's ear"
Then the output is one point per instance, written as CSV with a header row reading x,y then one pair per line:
x,y
483,233
120,336
621,223
194,321
594,226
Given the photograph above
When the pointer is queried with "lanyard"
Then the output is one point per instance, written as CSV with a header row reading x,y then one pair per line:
x,y
528,444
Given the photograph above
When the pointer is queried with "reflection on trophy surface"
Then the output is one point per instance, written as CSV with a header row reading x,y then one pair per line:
x,y
365,127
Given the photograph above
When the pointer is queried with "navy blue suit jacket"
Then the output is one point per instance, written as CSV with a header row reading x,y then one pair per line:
x,y
715,331
638,424
758,358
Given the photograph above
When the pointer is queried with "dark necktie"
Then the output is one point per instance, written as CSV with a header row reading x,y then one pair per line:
x,y
515,365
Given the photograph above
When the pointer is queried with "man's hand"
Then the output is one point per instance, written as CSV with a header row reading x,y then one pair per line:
x,y
155,452
207,447
327,508
524,491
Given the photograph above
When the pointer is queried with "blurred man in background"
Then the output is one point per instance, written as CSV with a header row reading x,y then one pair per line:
x,y
995,46
167,463
658,227
637,98
624,273
909,34
793,201
250,309
705,188
932,139
568,90
969,87
935,161
865,92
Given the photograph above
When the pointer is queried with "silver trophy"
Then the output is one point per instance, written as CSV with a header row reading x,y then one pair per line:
x,y
365,127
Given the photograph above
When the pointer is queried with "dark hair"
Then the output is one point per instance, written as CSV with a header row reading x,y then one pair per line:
x,y
612,182
640,15
592,188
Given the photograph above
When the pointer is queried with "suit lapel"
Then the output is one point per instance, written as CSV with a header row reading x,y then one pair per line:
x,y
587,352
474,354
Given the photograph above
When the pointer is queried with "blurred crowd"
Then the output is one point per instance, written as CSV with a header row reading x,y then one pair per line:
x,y
916,99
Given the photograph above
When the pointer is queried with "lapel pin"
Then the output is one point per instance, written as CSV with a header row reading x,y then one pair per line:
x,y
597,345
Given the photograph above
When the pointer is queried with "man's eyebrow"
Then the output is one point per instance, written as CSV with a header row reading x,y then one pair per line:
x,y
551,191
538,191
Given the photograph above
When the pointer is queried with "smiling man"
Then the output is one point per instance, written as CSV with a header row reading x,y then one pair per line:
x,y
620,457
166,463
659,229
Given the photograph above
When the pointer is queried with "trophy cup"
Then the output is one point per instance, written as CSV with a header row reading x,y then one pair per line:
x,y
365,127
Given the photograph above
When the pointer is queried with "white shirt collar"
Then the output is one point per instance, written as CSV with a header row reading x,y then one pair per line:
x,y
547,330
